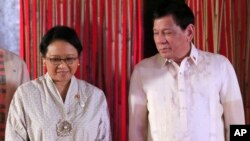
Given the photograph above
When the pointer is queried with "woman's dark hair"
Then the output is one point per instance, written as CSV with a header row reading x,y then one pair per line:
x,y
182,14
60,33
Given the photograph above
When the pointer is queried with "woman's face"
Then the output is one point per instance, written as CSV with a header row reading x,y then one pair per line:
x,y
61,61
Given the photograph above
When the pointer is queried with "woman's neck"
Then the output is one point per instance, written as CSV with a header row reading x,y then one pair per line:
x,y
62,88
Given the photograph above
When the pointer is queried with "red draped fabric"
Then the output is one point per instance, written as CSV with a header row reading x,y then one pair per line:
x,y
223,24
3,92
111,34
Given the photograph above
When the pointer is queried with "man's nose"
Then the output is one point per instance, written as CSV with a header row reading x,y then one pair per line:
x,y
162,38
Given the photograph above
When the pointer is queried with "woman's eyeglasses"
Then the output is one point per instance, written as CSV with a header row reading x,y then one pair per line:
x,y
58,61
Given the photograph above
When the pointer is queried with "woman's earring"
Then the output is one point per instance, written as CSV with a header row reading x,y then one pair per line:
x,y
44,65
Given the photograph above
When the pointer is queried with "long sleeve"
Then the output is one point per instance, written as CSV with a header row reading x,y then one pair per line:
x,y
15,126
138,120
16,74
104,133
231,99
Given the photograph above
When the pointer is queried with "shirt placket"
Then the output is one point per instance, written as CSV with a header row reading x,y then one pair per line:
x,y
183,134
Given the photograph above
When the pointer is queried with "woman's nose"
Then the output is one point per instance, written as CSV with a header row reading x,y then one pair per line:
x,y
62,64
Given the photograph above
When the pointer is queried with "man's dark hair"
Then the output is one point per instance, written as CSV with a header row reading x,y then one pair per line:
x,y
182,14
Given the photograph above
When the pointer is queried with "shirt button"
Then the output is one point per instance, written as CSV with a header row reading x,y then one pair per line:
x,y
68,113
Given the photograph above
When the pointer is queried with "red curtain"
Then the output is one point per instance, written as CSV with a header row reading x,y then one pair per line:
x,y
111,34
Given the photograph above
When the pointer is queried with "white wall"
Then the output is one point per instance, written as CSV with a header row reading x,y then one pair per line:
x,y
9,25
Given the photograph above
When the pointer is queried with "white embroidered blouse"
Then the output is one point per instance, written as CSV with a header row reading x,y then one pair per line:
x,y
37,113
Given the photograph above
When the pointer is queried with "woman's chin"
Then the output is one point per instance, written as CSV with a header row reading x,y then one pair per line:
x,y
64,77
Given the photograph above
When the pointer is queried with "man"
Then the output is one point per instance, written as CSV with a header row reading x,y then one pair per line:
x,y
182,93
13,72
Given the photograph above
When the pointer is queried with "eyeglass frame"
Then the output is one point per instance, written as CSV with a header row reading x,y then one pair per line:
x,y
55,60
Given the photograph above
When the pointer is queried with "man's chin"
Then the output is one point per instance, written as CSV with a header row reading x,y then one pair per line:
x,y
166,55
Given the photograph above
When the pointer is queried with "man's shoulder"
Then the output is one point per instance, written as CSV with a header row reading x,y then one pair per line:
x,y
149,62
10,56
205,55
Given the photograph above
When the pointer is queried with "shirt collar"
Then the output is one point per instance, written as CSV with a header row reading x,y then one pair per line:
x,y
194,54
193,57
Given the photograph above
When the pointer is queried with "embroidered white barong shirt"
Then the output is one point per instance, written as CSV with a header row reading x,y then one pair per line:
x,y
194,101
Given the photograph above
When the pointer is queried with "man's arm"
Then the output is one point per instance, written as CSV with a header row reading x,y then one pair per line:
x,y
231,99
138,113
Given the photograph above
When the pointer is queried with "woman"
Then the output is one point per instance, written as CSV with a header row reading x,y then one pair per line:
x,y
58,106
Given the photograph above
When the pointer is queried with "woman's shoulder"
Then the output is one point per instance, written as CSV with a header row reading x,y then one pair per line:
x,y
31,85
88,86
90,90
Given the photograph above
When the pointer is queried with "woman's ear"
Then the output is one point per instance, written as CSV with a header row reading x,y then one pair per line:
x,y
44,61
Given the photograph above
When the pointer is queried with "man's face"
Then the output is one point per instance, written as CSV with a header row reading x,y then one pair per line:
x,y
171,41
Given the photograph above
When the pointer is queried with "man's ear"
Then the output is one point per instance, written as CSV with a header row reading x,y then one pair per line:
x,y
190,32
